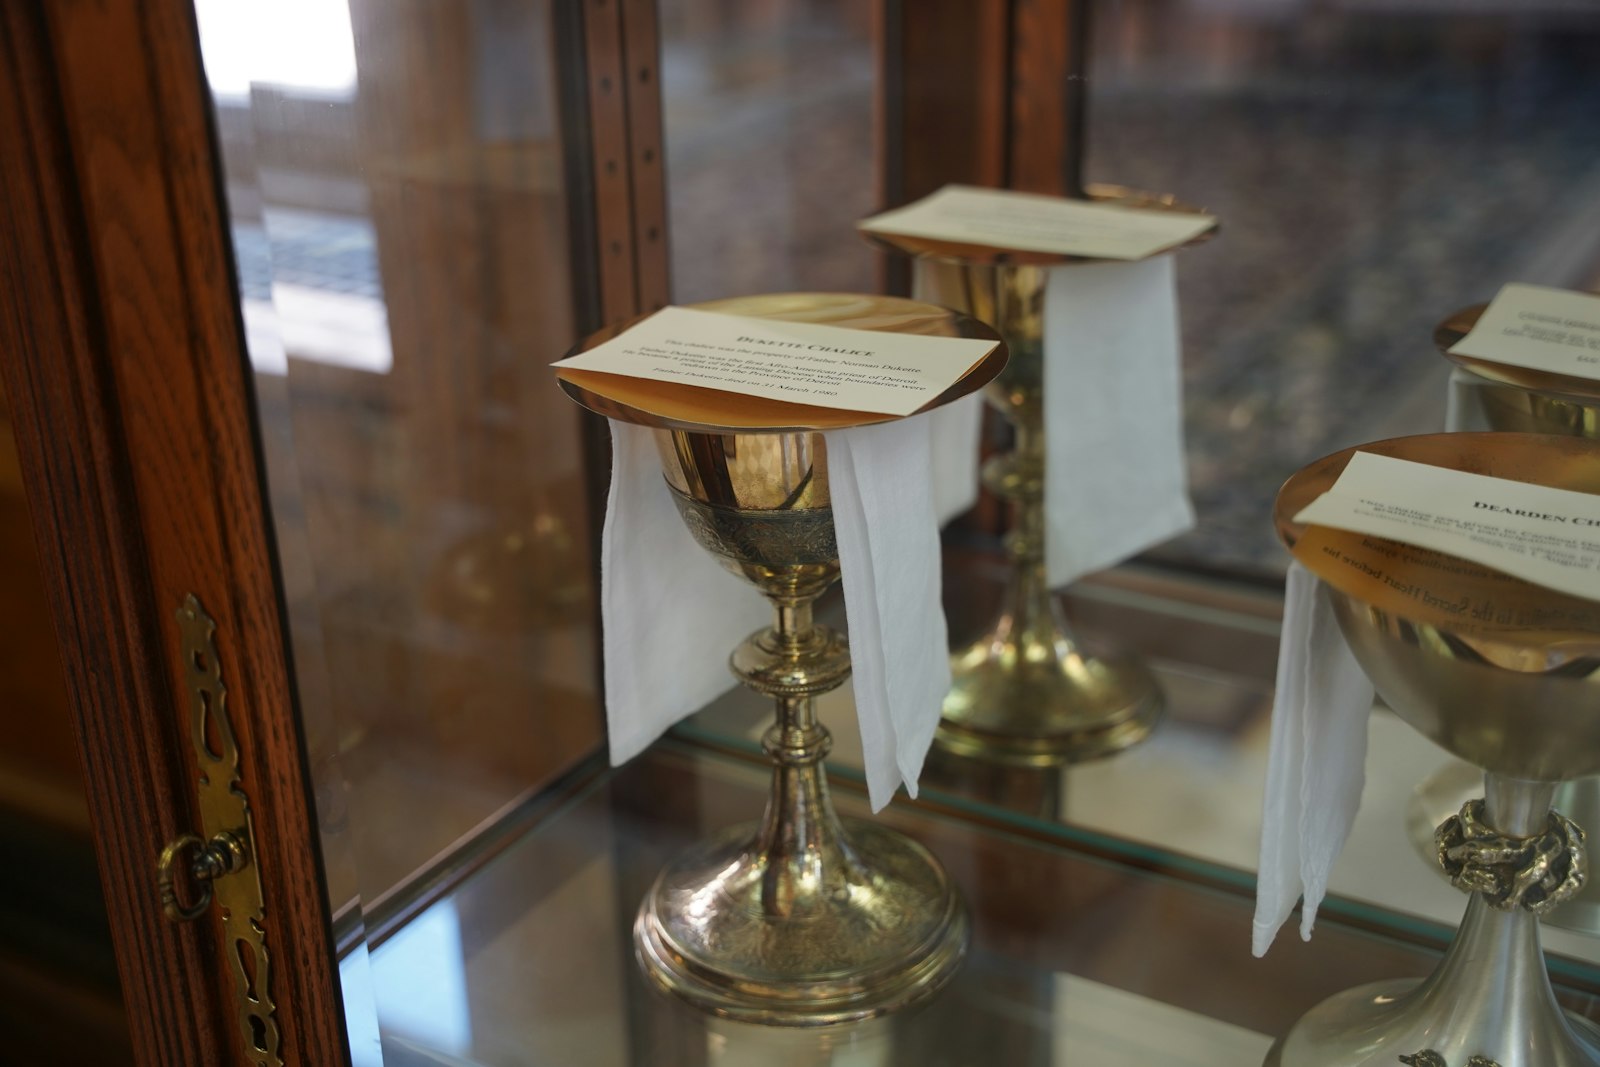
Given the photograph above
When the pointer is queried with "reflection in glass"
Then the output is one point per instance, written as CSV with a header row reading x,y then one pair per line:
x,y
770,145
423,969
396,179
1375,166
301,46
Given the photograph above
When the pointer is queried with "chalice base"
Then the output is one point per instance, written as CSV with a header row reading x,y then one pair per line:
x,y
1376,1024
1441,795
1045,702
886,930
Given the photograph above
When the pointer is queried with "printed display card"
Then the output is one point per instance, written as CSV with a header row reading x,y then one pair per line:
x,y
799,362
1540,328
999,218
1444,590
1550,537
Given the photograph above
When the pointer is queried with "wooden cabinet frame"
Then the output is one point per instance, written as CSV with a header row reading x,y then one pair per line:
x,y
122,353
122,358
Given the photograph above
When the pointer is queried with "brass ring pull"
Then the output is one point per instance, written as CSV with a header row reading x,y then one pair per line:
x,y
223,854
165,880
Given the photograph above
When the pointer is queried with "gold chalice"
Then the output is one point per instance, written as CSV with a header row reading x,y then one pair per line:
x,y
1027,691
802,919
1512,688
1523,400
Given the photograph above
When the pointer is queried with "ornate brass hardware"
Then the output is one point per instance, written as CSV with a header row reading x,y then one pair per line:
x,y
222,864
222,855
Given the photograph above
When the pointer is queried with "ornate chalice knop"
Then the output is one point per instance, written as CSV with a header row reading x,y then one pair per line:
x,y
803,919
1027,691
1519,704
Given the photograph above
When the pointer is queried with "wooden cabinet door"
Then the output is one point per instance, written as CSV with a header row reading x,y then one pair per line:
x,y
123,354
120,347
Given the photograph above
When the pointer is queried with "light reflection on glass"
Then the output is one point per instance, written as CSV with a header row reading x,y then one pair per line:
x,y
360,1009
303,45
768,119
1108,1027
422,968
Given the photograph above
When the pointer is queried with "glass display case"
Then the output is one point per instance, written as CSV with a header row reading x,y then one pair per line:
x,y
286,284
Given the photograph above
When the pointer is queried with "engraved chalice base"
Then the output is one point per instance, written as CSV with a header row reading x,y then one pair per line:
x,y
873,928
1382,1022
1442,794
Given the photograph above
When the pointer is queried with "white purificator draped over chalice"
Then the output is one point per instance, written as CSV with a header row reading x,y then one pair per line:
x,y
802,919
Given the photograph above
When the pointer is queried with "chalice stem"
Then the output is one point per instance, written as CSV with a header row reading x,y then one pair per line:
x,y
1033,619
800,833
1490,1000
1493,980
787,921
800,836
1517,808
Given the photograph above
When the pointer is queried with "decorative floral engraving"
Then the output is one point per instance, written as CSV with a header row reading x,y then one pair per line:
x,y
1535,873
761,538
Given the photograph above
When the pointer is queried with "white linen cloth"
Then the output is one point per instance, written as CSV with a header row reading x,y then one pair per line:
x,y
671,615
1116,479
957,430
1316,763
1463,405
881,481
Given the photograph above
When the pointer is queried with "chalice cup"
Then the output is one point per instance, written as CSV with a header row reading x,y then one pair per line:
x,y
1521,400
803,919
1027,691
1519,704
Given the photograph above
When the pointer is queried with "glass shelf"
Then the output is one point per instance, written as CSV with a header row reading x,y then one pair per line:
x,y
1076,958
1189,798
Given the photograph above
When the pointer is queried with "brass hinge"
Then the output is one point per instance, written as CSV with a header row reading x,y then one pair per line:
x,y
222,860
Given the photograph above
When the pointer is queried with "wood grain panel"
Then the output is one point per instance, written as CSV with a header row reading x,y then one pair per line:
x,y
1048,94
642,53
85,519
985,94
945,68
131,403
39,776
608,132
